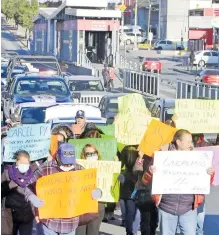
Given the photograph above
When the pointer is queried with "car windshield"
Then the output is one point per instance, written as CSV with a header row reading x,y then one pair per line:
x,y
33,115
211,72
44,86
168,114
85,85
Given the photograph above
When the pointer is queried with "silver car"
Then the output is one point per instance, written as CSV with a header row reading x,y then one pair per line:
x,y
87,89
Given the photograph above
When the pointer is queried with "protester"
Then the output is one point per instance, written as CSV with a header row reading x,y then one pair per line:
x,y
111,76
191,59
63,129
92,133
143,200
177,209
129,156
90,153
14,180
81,123
199,140
105,74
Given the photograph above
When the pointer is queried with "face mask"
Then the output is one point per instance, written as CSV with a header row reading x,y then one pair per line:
x,y
66,168
93,158
23,168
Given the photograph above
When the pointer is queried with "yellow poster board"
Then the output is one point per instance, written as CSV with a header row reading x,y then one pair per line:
x,y
197,116
67,194
157,135
107,178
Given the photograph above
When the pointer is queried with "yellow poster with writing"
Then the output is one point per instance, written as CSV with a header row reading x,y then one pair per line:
x,y
67,194
197,116
107,178
157,135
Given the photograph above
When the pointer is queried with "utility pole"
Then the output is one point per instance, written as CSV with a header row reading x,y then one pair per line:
x,y
149,20
136,19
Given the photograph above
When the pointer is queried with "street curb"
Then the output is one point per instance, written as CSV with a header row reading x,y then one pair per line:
x,y
184,72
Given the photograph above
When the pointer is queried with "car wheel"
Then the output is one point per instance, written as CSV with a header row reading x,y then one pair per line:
x,y
159,48
201,63
128,42
178,48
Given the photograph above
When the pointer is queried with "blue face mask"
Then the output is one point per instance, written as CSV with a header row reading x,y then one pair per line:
x,y
23,168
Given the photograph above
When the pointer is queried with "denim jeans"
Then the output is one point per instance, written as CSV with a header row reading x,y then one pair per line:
x,y
130,209
136,223
47,231
200,219
187,223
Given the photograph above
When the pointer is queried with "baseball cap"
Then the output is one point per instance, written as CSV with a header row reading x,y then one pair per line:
x,y
80,114
66,154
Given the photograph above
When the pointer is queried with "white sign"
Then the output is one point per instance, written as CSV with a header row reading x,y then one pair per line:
x,y
150,36
182,172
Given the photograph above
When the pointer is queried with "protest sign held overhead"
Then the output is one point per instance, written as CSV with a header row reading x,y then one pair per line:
x,y
63,192
107,130
182,172
107,147
215,162
35,139
197,116
133,119
157,135
107,178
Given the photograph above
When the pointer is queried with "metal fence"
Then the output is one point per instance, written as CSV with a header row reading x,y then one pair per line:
x,y
193,90
145,83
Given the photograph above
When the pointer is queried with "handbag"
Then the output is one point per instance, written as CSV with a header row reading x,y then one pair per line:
x,y
6,220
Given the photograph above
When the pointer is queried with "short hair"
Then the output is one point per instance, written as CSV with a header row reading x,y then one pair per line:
x,y
179,134
19,153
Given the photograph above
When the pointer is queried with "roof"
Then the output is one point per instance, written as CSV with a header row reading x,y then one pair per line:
x,y
35,104
36,76
197,34
82,78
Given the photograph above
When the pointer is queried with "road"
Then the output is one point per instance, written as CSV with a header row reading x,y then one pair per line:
x,y
9,42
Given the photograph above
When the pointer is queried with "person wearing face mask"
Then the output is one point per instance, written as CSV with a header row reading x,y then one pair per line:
x,y
90,153
64,161
177,209
14,180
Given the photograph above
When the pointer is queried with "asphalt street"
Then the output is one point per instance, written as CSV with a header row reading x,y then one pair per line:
x,y
9,42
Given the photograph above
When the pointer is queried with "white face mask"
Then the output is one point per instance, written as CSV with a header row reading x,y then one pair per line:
x,y
23,168
66,168
93,158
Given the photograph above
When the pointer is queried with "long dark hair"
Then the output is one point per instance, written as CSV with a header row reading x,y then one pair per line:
x,y
129,156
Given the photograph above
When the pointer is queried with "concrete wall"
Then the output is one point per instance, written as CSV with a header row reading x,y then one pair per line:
x,y
202,22
174,19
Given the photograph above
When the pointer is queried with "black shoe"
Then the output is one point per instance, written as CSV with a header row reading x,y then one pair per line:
x,y
105,220
113,218
123,223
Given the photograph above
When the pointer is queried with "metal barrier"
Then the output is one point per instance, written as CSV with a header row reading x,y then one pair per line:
x,y
193,90
145,83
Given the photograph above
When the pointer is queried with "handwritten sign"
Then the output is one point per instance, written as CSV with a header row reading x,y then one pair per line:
x,y
107,178
157,135
107,147
182,172
197,116
132,103
35,139
63,193
107,130
215,163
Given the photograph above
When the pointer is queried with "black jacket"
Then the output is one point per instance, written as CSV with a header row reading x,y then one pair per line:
x,y
22,211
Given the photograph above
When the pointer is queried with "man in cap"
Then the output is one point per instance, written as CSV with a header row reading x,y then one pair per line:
x,y
64,161
81,124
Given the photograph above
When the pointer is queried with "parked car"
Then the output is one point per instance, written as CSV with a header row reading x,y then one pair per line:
x,y
34,88
151,64
209,76
167,45
109,106
206,57
163,109
89,89
65,113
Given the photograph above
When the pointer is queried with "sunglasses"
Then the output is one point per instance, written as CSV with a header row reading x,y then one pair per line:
x,y
90,154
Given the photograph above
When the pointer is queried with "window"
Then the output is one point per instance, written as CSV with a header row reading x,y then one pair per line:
x,y
207,54
101,103
83,85
113,105
162,42
214,53
169,43
158,111
153,110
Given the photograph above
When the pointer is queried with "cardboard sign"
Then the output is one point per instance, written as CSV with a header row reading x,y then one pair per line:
x,y
215,163
107,147
157,135
35,139
107,178
108,130
197,116
67,194
182,172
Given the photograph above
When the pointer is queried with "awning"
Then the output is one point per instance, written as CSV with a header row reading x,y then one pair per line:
x,y
197,34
